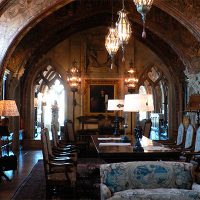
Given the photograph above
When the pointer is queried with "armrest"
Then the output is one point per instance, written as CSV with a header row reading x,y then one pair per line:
x,y
196,187
60,164
58,159
105,192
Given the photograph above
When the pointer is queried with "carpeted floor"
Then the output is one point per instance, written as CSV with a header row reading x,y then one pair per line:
x,y
87,182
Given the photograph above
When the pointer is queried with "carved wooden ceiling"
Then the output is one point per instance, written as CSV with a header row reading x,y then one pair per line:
x,y
173,30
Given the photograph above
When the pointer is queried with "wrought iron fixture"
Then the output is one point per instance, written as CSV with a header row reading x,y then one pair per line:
x,y
143,7
123,28
131,80
112,41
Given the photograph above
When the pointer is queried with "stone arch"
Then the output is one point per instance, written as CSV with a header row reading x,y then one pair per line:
x,y
45,8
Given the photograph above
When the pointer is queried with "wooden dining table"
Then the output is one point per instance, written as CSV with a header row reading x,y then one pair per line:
x,y
113,149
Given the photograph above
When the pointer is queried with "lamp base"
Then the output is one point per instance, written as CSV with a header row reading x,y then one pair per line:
x,y
138,147
124,138
116,126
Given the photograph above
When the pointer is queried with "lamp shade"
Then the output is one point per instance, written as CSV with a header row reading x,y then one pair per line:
x,y
193,104
8,108
115,104
138,102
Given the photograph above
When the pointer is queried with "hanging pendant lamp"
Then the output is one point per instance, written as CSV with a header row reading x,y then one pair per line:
x,y
143,7
131,79
123,28
112,42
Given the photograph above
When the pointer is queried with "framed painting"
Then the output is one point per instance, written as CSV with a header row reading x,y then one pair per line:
x,y
97,94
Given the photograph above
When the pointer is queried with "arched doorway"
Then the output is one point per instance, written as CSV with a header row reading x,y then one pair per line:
x,y
156,83
50,98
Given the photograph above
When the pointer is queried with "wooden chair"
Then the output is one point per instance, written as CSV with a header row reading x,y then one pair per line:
x,y
189,138
57,174
82,145
59,155
180,139
194,154
57,144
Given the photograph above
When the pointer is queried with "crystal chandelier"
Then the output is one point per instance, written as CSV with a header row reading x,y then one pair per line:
x,y
123,28
143,7
112,42
73,77
131,80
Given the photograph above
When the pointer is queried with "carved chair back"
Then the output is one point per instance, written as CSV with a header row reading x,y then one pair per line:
x,y
190,136
54,135
45,151
181,133
69,130
197,141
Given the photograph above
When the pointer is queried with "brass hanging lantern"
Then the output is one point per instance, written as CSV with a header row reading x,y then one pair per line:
x,y
143,7
131,79
73,77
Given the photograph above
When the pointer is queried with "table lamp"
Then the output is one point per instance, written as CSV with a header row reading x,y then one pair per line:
x,y
116,105
136,103
8,108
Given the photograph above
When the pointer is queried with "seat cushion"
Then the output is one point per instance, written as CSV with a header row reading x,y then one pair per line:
x,y
146,175
156,194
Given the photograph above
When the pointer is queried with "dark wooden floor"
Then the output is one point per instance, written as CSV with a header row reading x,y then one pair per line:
x,y
26,161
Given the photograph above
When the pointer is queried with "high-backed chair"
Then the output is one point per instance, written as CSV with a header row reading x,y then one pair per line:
x,y
82,145
189,138
180,139
57,174
57,145
59,155
194,154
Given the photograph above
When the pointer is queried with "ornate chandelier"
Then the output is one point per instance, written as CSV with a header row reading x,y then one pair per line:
x,y
123,28
73,77
112,42
143,7
131,80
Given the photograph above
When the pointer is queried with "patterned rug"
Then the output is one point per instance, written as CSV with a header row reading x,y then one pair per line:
x,y
87,182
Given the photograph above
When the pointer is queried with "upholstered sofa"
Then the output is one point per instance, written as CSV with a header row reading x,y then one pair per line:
x,y
149,180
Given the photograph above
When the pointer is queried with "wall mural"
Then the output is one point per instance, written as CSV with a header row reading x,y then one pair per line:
x,y
96,54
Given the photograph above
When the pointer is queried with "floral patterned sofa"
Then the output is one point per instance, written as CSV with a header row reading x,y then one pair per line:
x,y
149,180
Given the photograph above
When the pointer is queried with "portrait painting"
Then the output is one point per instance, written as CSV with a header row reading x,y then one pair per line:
x,y
99,95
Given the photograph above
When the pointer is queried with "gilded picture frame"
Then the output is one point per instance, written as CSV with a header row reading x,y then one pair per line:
x,y
97,93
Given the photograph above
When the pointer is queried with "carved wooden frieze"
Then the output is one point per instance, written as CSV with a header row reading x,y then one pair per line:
x,y
193,83
160,23
17,15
